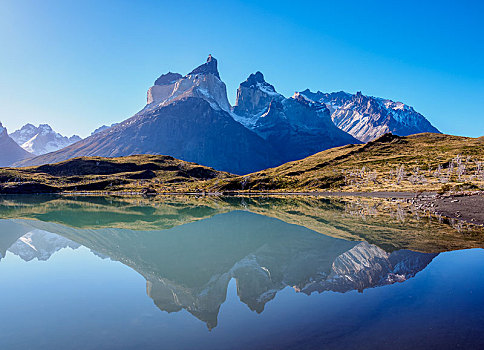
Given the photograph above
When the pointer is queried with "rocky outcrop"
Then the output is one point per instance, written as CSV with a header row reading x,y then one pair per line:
x,y
210,67
203,82
253,97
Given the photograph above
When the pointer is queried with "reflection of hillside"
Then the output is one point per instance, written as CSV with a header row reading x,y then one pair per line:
x,y
190,266
374,223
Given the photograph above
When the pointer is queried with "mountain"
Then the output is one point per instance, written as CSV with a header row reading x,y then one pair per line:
x,y
10,151
189,117
297,126
185,117
367,118
42,139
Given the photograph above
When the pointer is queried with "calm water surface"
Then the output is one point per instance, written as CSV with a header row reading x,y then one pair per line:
x,y
232,273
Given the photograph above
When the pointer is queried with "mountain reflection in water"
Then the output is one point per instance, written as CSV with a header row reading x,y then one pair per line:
x,y
258,272
190,266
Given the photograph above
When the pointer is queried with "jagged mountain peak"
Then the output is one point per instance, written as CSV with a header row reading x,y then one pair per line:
x,y
209,67
256,81
168,79
254,96
203,82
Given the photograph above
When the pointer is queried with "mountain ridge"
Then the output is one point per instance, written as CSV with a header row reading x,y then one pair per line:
x,y
41,139
189,117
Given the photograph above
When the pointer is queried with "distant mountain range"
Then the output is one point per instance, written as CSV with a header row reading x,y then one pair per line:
x,y
41,139
189,117
367,118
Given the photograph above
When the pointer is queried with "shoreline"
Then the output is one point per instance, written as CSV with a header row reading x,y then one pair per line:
x,y
462,206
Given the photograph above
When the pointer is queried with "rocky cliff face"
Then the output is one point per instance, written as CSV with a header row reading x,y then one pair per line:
x,y
42,139
367,118
10,151
203,82
253,97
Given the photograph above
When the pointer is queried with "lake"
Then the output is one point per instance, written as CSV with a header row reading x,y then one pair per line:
x,y
236,273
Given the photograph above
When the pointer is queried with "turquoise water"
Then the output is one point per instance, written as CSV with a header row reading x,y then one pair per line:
x,y
197,275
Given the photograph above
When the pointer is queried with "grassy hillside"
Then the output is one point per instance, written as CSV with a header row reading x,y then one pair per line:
x,y
422,162
419,162
137,173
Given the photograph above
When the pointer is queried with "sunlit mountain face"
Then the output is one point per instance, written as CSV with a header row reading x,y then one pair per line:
x,y
241,267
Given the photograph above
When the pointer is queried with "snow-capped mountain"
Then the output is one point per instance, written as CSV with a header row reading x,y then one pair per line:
x,y
42,139
189,117
10,152
367,118
297,126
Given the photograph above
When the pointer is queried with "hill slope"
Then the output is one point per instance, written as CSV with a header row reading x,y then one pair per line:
x,y
139,173
417,162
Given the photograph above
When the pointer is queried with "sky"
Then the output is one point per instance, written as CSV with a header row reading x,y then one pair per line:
x,y
77,65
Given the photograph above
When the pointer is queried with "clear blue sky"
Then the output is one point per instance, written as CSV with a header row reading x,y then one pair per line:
x,y
80,64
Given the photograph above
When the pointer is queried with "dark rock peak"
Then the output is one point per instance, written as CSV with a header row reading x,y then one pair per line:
x,y
168,78
256,81
210,67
